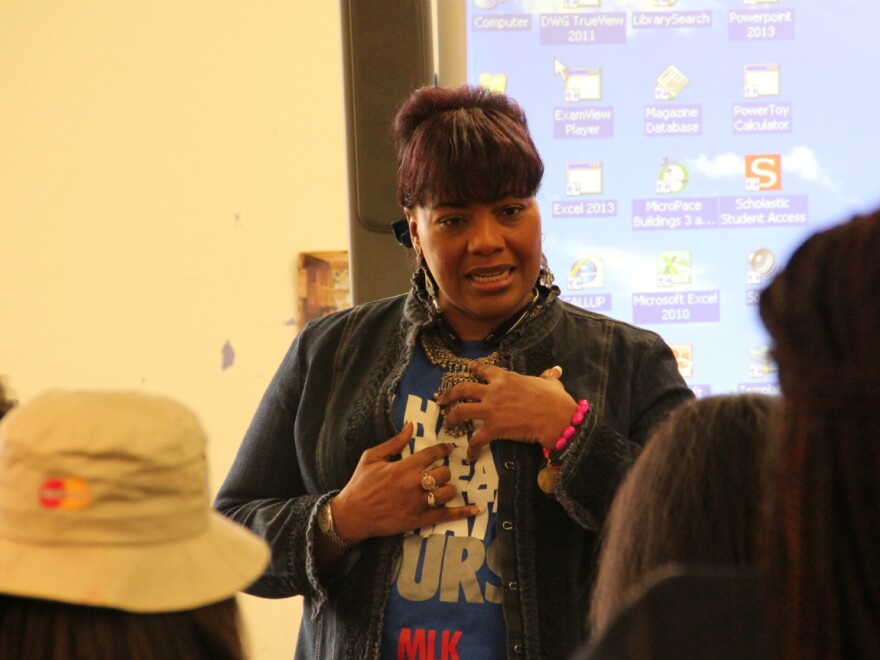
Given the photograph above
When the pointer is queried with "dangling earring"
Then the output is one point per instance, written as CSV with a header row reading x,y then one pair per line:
x,y
545,275
430,288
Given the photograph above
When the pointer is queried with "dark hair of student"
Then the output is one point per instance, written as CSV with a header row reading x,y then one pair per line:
x,y
463,145
691,497
821,535
50,630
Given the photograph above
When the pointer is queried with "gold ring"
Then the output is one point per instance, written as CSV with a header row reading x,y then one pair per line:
x,y
432,501
429,483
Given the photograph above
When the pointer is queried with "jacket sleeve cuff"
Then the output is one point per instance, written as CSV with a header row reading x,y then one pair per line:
x,y
595,464
320,584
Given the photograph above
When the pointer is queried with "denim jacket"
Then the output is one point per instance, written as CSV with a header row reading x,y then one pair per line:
x,y
331,399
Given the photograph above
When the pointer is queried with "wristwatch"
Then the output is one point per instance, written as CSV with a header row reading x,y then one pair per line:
x,y
325,524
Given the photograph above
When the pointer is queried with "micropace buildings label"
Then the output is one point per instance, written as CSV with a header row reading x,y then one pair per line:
x,y
679,213
677,307
583,29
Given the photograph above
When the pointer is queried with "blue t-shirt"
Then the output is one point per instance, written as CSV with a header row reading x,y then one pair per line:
x,y
445,601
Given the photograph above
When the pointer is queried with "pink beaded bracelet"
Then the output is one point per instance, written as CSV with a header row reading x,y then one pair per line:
x,y
576,419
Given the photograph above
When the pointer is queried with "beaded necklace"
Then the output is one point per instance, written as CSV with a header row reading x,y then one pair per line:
x,y
456,368
456,371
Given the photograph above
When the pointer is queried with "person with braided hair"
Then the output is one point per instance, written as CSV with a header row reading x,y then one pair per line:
x,y
820,555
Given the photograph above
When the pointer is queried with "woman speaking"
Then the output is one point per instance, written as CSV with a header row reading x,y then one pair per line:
x,y
432,470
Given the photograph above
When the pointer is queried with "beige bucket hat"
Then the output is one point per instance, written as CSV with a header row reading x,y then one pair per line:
x,y
104,501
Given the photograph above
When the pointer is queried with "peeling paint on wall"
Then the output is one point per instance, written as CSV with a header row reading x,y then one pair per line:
x,y
228,354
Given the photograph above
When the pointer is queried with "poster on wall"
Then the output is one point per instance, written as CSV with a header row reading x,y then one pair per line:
x,y
323,285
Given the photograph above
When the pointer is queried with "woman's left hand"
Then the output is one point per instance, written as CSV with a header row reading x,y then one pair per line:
x,y
511,407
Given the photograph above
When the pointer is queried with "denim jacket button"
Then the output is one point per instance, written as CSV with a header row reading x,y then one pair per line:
x,y
509,465
513,586
507,525
518,649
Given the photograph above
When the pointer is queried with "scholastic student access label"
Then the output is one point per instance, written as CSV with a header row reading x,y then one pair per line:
x,y
763,211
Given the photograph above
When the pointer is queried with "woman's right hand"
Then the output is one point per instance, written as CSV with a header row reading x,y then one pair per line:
x,y
386,498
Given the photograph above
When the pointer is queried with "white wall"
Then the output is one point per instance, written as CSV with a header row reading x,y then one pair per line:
x,y
162,164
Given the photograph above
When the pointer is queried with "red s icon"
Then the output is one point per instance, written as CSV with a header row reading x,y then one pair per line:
x,y
764,172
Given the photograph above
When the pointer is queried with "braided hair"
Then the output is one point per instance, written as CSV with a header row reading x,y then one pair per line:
x,y
820,539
